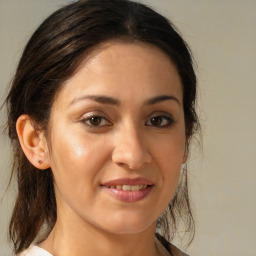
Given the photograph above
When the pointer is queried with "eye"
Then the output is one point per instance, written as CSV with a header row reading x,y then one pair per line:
x,y
160,121
96,121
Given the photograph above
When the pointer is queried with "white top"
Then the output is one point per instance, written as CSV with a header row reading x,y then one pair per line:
x,y
37,251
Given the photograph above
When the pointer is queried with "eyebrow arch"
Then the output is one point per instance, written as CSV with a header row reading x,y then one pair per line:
x,y
160,98
98,98
113,101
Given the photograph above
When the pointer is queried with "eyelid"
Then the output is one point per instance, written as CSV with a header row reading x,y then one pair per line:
x,y
89,115
165,116
92,114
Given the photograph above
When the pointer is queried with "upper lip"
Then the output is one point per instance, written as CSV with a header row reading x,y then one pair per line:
x,y
128,181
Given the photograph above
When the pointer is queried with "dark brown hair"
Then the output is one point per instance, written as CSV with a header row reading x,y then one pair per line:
x,y
50,57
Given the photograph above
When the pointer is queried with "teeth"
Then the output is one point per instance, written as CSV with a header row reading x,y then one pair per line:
x,y
127,187
130,187
135,187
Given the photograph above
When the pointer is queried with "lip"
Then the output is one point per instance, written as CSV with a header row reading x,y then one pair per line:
x,y
128,181
128,196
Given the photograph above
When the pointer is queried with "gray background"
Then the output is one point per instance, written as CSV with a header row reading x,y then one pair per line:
x,y
222,36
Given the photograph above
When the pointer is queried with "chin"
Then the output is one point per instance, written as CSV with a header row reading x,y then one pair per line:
x,y
129,226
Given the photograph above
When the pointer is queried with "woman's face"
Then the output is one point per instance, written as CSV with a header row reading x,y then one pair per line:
x,y
117,138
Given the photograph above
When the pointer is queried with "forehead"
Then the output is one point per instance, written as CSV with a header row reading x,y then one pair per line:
x,y
111,56
124,70
120,51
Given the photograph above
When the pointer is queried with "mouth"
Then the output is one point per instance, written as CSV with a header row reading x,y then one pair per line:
x,y
128,190
130,187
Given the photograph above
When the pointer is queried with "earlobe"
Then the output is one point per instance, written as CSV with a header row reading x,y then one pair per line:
x,y
33,142
185,157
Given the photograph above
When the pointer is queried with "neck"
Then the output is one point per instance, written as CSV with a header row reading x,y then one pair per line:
x,y
75,239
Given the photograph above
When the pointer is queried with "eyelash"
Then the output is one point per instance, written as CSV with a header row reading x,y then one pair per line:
x,y
166,118
89,119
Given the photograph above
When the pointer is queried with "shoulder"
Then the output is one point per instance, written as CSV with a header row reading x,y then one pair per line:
x,y
34,251
176,251
172,249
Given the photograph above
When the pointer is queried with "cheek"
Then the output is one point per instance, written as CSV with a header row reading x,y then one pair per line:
x,y
169,152
76,161
169,155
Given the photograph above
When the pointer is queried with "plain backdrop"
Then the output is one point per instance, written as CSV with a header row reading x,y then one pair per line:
x,y
222,36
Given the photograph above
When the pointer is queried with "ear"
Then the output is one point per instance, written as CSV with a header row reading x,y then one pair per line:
x,y
185,157
33,142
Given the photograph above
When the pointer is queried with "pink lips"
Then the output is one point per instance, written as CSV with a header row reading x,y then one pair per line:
x,y
129,196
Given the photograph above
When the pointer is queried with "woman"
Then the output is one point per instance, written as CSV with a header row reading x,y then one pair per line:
x,y
100,115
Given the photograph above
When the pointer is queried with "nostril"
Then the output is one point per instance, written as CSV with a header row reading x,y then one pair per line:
x,y
132,156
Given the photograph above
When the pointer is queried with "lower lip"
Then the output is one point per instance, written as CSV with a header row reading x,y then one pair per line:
x,y
129,196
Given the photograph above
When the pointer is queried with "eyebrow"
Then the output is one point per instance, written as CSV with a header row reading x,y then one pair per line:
x,y
161,98
113,101
98,98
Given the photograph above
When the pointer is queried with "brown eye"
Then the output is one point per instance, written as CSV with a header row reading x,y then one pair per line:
x,y
156,121
96,121
160,121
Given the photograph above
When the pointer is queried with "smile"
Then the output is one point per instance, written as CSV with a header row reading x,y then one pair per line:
x,y
128,190
129,187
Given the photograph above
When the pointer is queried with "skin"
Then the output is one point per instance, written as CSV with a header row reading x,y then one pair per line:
x,y
132,138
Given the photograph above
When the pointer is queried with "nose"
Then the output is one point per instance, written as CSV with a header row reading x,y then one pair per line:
x,y
130,149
